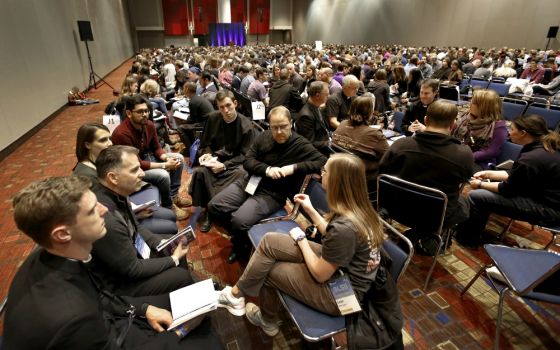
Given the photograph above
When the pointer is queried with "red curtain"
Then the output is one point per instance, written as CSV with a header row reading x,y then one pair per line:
x,y
259,16
175,17
205,11
238,13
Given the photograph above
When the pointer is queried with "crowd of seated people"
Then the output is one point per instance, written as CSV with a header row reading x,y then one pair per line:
x,y
348,69
242,175
398,76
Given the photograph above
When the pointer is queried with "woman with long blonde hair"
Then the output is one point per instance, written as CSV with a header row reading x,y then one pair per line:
x,y
352,235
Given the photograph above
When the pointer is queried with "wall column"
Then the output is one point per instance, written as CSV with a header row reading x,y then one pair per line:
x,y
224,11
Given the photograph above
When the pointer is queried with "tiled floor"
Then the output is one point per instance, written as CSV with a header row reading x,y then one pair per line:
x,y
434,319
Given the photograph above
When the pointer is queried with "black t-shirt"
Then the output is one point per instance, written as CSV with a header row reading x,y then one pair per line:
x,y
338,105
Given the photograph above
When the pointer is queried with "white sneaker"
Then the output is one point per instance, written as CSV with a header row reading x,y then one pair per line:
x,y
255,317
236,306
495,274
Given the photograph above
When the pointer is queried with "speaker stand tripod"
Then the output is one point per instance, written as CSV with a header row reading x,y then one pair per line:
x,y
92,74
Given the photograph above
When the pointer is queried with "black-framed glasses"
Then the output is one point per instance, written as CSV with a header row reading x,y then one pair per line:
x,y
141,111
283,127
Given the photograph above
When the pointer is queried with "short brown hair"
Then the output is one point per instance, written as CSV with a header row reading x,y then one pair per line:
x,y
315,88
431,83
223,94
280,110
380,74
441,114
189,86
46,203
110,159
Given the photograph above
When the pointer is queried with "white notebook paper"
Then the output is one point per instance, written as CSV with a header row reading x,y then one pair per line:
x,y
192,301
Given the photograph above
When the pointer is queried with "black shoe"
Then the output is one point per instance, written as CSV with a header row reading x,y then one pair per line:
x,y
205,224
427,246
232,257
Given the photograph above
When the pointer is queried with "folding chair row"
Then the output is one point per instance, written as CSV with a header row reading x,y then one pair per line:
x,y
549,113
513,108
502,89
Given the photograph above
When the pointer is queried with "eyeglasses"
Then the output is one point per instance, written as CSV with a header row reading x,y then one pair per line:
x,y
141,111
283,127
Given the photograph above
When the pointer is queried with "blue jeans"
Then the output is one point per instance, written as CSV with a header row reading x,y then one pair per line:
x,y
167,181
162,221
484,202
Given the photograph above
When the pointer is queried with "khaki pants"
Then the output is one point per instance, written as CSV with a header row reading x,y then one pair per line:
x,y
278,264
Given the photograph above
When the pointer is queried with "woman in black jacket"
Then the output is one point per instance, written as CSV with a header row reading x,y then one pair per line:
x,y
529,192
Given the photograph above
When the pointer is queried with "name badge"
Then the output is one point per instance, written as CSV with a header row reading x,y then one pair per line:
x,y
141,247
342,291
258,110
253,184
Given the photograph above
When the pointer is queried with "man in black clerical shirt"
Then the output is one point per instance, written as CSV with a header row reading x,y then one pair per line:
x,y
413,119
55,303
226,139
277,163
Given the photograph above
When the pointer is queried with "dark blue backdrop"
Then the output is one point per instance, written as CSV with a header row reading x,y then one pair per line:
x,y
222,34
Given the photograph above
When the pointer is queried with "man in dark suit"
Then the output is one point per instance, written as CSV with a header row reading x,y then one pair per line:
x,y
55,303
310,122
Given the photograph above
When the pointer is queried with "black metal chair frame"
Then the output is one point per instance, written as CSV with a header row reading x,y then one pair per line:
x,y
430,197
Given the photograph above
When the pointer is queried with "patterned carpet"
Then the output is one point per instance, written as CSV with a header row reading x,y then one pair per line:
x,y
434,319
